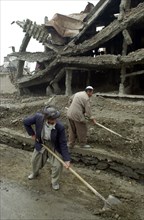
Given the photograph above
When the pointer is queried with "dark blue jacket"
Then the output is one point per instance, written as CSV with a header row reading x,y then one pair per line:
x,y
58,137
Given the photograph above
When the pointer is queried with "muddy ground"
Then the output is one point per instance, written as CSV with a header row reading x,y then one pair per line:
x,y
126,117
73,200
25,199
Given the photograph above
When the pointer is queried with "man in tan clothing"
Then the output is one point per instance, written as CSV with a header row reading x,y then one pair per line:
x,y
79,109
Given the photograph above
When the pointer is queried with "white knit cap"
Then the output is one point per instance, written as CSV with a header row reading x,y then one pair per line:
x,y
89,87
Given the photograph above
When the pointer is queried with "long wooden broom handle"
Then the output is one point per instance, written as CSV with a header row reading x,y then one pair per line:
x,y
100,125
77,175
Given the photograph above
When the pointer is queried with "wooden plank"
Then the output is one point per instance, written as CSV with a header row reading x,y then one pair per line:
x,y
91,17
25,25
104,61
122,10
23,47
108,95
127,37
38,33
41,36
31,31
29,27
52,47
45,75
35,31
136,57
68,81
125,5
135,73
33,57
134,16
58,76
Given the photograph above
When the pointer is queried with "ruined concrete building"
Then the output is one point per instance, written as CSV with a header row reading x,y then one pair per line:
x,y
102,46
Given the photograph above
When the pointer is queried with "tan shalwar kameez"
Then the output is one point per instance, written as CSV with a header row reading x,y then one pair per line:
x,y
79,108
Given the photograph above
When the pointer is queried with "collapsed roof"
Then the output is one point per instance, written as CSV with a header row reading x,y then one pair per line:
x,y
74,42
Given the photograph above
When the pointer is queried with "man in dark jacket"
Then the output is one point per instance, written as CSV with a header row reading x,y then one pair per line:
x,y
51,132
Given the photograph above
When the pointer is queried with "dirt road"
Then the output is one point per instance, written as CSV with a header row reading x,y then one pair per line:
x,y
18,202
24,199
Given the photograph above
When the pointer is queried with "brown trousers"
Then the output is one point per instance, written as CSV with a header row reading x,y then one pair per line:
x,y
77,130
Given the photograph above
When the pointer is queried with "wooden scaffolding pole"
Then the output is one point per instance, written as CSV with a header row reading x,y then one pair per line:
x,y
125,5
68,81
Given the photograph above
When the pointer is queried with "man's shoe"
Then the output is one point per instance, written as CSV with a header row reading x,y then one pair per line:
x,y
55,186
86,146
32,176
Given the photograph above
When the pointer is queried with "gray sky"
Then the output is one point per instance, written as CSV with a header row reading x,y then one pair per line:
x,y
12,35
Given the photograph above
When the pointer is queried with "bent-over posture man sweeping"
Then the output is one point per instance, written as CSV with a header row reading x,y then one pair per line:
x,y
79,109
50,131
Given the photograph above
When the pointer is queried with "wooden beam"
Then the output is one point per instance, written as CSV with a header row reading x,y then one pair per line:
x,y
56,88
135,73
133,16
68,81
45,75
125,96
126,41
38,32
77,68
34,57
122,76
23,47
104,61
99,62
50,46
122,10
136,57
127,37
58,76
98,9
